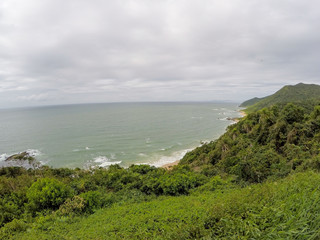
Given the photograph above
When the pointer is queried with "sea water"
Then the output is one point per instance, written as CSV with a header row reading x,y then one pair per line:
x,y
115,133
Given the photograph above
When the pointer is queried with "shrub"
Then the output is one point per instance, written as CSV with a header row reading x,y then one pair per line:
x,y
180,183
12,228
47,193
92,200
73,206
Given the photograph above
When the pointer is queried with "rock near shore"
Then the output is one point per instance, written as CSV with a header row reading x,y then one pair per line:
x,y
22,159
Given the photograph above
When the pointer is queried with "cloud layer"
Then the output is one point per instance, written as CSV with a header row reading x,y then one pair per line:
x,y
55,52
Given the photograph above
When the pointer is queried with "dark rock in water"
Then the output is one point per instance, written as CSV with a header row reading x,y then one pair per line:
x,y
22,159
20,156
233,119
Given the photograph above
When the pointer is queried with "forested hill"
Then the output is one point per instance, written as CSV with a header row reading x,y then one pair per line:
x,y
301,94
272,142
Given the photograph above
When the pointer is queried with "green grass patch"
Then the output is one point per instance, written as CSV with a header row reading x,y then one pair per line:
x,y
284,209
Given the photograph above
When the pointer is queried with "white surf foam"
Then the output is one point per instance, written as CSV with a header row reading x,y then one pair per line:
x,y
101,159
170,159
33,152
142,155
3,156
104,161
106,164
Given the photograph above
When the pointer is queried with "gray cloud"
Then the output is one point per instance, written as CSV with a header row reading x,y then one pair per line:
x,y
55,52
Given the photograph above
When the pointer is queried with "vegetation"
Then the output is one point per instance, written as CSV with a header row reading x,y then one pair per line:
x,y
250,102
270,143
283,209
305,95
260,180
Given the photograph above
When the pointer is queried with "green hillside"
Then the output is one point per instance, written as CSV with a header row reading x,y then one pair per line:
x,y
304,94
268,143
250,102
284,209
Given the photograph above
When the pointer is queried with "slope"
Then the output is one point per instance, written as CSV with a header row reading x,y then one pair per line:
x,y
284,209
303,94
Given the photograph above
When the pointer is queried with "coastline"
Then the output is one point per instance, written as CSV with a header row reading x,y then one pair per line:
x,y
169,166
242,113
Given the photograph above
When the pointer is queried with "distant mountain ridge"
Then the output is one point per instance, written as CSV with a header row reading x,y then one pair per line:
x,y
291,93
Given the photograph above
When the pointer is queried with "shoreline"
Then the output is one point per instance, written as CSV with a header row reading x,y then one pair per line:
x,y
242,113
169,166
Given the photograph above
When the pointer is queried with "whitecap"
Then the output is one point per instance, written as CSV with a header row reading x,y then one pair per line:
x,y
106,164
142,164
142,155
101,159
3,156
104,161
33,152
176,156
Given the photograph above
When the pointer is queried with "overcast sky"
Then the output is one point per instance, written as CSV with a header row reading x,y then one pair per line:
x,y
76,51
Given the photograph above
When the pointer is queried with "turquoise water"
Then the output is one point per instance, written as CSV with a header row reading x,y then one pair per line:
x,y
104,134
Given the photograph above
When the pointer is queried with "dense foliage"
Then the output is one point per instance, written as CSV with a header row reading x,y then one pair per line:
x,y
26,194
284,209
301,94
269,143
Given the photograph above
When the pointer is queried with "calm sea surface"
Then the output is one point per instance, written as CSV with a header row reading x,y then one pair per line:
x,y
104,134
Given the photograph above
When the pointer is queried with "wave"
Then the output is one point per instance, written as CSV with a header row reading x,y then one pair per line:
x,y
21,163
142,155
4,156
31,152
170,159
104,161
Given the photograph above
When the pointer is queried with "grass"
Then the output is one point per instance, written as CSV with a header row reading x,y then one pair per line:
x,y
284,209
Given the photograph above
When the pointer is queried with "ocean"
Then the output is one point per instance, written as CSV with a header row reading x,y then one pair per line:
x,y
91,135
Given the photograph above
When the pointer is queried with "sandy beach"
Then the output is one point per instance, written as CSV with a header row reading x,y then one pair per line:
x,y
243,114
169,166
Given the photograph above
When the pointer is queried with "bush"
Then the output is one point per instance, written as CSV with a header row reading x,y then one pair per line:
x,y
92,200
73,206
180,183
12,228
47,193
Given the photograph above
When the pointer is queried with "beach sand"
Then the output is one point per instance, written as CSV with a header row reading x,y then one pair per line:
x,y
243,114
169,166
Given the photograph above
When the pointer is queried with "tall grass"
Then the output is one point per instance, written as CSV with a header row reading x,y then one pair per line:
x,y
284,209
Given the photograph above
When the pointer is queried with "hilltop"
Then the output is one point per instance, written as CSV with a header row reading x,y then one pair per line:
x,y
301,94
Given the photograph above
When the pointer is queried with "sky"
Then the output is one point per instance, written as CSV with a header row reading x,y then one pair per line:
x,y
77,51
